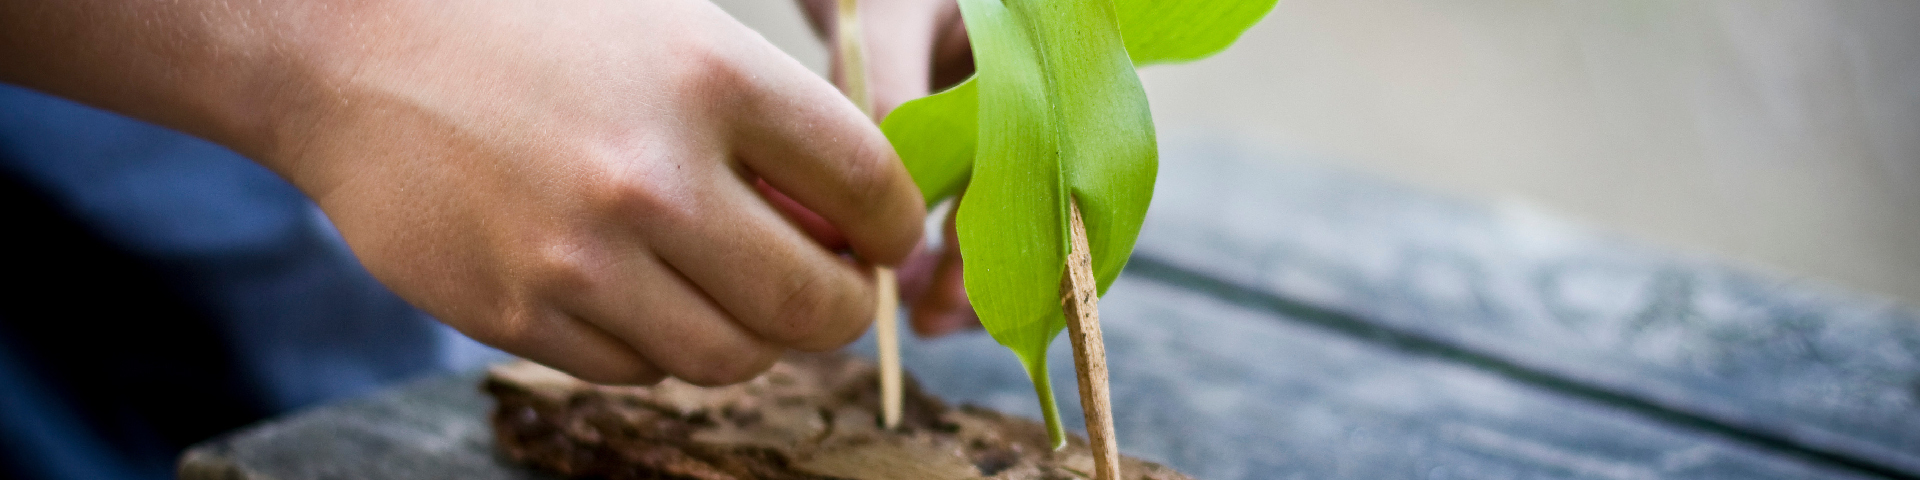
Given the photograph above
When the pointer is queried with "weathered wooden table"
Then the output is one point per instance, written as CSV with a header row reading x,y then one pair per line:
x,y
1285,320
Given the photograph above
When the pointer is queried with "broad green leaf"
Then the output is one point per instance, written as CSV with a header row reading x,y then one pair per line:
x,y
935,138
1011,224
1171,31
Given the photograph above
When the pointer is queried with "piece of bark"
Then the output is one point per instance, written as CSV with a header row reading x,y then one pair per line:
x,y
812,417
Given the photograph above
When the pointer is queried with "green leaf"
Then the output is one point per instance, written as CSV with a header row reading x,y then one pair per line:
x,y
1171,31
935,134
935,137
1104,128
1011,224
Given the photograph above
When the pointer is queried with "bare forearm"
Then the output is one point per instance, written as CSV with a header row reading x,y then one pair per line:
x,y
217,69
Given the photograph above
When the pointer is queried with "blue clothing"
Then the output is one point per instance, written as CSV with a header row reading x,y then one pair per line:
x,y
156,260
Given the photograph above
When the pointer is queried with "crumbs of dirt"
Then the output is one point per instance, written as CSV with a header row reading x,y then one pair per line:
x,y
812,417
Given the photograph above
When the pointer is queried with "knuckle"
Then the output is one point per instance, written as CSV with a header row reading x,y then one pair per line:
x,y
563,267
817,315
799,312
870,180
875,186
707,70
514,329
649,196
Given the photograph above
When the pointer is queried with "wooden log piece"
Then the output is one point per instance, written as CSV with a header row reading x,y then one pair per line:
x,y
812,417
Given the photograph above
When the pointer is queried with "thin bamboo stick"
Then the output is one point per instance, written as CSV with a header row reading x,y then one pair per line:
x,y
1080,295
886,322
886,329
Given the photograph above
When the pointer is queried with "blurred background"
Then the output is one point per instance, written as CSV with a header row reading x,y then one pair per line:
x,y
1781,135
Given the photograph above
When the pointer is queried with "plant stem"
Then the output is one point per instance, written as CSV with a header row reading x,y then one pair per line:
x,y
1049,409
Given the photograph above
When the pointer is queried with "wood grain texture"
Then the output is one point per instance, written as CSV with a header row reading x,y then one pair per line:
x,y
1785,363
1225,392
1080,296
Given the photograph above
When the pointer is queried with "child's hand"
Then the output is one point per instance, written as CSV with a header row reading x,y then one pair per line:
x,y
572,182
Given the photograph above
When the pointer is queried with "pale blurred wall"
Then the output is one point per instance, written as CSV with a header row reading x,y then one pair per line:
x,y
1781,134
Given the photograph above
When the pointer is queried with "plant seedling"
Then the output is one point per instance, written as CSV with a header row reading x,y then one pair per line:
x,y
1053,142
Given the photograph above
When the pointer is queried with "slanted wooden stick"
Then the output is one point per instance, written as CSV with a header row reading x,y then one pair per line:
x,y
886,324
1080,295
853,56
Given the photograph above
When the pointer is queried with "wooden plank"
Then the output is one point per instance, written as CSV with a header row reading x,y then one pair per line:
x,y
434,428
1214,389
1786,364
1224,392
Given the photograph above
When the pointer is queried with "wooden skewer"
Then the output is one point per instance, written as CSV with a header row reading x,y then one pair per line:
x,y
886,322
1080,295
853,56
886,329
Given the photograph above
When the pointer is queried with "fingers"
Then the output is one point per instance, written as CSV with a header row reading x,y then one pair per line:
x,y
899,36
952,54
769,276
805,140
809,222
942,307
568,344
676,327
